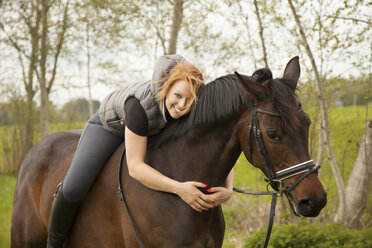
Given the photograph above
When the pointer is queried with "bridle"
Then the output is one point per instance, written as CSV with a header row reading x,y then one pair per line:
x,y
275,178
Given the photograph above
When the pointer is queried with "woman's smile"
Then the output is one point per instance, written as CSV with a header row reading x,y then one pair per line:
x,y
177,98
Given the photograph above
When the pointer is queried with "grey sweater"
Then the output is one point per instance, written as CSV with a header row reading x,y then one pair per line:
x,y
111,110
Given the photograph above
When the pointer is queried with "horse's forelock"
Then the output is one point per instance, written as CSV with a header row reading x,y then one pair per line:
x,y
285,100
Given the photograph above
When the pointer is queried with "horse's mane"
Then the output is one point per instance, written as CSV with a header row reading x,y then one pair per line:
x,y
224,97
217,101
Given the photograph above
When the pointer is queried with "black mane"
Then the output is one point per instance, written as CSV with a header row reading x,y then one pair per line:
x,y
223,97
217,101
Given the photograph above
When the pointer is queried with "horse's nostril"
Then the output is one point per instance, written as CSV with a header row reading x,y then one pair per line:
x,y
306,207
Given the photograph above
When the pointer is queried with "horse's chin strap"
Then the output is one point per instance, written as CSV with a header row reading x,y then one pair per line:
x,y
275,178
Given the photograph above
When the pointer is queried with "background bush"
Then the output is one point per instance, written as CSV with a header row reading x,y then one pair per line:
x,y
305,235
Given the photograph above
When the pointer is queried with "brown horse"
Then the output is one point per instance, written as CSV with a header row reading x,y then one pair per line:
x,y
202,146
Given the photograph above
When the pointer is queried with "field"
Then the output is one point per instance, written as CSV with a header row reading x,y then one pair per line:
x,y
245,214
7,185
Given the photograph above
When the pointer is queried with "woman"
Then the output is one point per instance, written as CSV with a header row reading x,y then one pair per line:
x,y
132,114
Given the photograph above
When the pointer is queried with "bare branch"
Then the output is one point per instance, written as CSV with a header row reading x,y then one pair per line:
x,y
58,47
246,25
23,70
350,19
261,33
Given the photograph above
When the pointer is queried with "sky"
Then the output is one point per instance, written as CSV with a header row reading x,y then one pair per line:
x,y
135,65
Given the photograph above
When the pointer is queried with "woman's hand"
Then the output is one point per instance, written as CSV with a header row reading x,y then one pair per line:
x,y
219,195
222,194
189,193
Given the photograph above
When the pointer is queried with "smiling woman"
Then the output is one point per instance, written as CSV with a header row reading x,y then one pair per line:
x,y
179,89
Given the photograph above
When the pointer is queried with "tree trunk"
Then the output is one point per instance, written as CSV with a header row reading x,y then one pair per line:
x,y
28,136
357,187
176,25
44,102
28,81
46,49
319,158
44,111
325,127
261,33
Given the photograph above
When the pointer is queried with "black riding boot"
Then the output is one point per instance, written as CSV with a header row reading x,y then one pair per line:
x,y
61,219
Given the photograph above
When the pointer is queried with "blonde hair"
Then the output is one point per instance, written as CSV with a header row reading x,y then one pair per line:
x,y
181,71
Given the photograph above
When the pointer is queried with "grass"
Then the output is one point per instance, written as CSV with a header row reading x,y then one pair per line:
x,y
7,186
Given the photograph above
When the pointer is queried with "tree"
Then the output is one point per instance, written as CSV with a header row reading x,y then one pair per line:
x,y
51,42
176,25
324,114
358,185
37,32
344,202
261,32
20,22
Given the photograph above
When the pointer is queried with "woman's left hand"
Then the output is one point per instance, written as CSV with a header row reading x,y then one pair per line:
x,y
219,195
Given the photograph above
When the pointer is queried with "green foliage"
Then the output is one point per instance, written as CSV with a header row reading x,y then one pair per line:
x,y
10,144
77,110
7,185
305,235
360,93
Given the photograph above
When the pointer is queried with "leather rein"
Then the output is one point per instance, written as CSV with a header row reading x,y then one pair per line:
x,y
275,178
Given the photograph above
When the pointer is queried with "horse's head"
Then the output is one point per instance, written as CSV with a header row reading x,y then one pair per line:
x,y
273,135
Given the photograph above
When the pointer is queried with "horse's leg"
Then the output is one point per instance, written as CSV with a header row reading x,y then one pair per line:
x,y
27,230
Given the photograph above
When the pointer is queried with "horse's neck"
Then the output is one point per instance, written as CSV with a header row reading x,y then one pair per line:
x,y
207,153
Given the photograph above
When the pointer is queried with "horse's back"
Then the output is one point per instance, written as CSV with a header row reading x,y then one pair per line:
x,y
43,168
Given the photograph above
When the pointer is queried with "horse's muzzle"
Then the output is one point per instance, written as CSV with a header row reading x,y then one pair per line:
x,y
311,207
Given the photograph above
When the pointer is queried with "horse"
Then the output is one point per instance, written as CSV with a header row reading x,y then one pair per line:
x,y
202,146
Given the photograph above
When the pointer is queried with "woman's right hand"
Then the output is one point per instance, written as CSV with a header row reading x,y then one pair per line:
x,y
189,192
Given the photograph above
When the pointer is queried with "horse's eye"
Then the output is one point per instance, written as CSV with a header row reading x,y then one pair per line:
x,y
273,135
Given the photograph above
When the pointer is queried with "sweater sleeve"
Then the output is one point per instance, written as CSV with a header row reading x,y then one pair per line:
x,y
135,117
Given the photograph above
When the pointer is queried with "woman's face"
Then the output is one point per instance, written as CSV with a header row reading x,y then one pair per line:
x,y
177,98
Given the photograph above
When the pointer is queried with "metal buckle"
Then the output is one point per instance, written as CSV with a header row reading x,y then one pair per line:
x,y
280,190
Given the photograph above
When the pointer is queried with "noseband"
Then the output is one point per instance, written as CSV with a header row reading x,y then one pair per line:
x,y
275,178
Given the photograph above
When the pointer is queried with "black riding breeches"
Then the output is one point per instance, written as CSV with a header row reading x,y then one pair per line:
x,y
95,147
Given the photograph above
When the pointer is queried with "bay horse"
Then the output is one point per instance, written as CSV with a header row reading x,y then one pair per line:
x,y
202,146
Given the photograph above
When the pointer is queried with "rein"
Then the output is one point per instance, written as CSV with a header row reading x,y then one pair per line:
x,y
121,196
275,178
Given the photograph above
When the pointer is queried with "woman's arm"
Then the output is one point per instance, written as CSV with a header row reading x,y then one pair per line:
x,y
136,150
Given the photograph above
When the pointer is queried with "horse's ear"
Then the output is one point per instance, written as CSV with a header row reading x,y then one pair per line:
x,y
254,89
292,71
